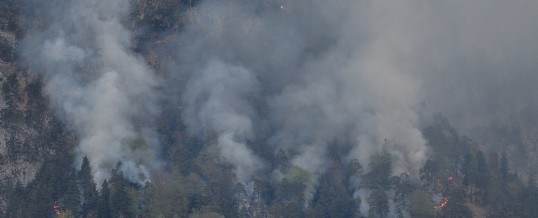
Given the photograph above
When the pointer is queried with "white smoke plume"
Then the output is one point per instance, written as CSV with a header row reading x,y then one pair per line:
x,y
324,72
217,100
100,88
302,74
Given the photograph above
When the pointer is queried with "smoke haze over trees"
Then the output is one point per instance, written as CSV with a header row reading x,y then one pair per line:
x,y
304,108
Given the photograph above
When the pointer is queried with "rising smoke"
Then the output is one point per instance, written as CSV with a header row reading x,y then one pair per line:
x,y
218,101
104,91
360,72
305,75
322,71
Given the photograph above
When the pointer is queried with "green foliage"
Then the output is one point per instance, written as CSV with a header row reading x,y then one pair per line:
x,y
421,205
122,202
332,199
380,171
197,183
379,205
104,210
298,174
89,190
72,195
402,189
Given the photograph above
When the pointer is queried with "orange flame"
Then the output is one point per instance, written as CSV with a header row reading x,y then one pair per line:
x,y
57,209
442,204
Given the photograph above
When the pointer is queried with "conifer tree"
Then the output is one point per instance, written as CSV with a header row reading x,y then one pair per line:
x,y
89,191
104,201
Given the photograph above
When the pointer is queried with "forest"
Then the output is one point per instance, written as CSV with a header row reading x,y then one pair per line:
x,y
268,109
459,181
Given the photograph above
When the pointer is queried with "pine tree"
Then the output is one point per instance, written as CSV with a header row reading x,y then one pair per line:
x,y
428,174
421,205
503,168
104,202
332,198
89,191
482,176
379,205
120,199
402,189
72,193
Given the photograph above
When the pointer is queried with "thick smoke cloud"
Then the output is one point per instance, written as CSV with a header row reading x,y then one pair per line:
x,y
478,64
217,100
105,92
303,75
355,73
482,52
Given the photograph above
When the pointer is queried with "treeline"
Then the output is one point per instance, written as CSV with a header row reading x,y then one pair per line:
x,y
475,183
60,191
458,181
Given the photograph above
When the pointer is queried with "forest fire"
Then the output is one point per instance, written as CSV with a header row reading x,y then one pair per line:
x,y
57,209
442,204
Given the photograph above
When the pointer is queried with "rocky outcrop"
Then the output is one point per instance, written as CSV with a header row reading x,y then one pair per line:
x,y
29,131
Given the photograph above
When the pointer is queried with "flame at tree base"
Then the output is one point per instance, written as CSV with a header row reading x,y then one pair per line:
x,y
57,209
442,204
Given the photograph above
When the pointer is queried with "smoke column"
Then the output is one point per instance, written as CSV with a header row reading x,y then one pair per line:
x,y
323,73
217,100
302,75
81,51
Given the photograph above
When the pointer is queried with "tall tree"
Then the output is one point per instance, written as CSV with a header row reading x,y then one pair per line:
x,y
402,189
482,176
379,205
121,202
72,193
104,202
332,198
421,205
380,170
428,174
89,190
503,168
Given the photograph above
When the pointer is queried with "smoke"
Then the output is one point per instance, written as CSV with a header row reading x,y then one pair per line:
x,y
481,64
478,66
302,75
217,102
354,73
305,75
98,86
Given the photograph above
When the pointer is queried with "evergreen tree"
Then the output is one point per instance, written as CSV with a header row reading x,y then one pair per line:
x,y
469,174
379,205
121,202
332,198
104,202
428,174
482,176
530,198
16,205
420,205
455,208
402,189
240,200
289,199
503,168
262,195
89,191
380,170
72,193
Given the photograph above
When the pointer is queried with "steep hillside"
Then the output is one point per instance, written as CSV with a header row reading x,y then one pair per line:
x,y
272,108
29,130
